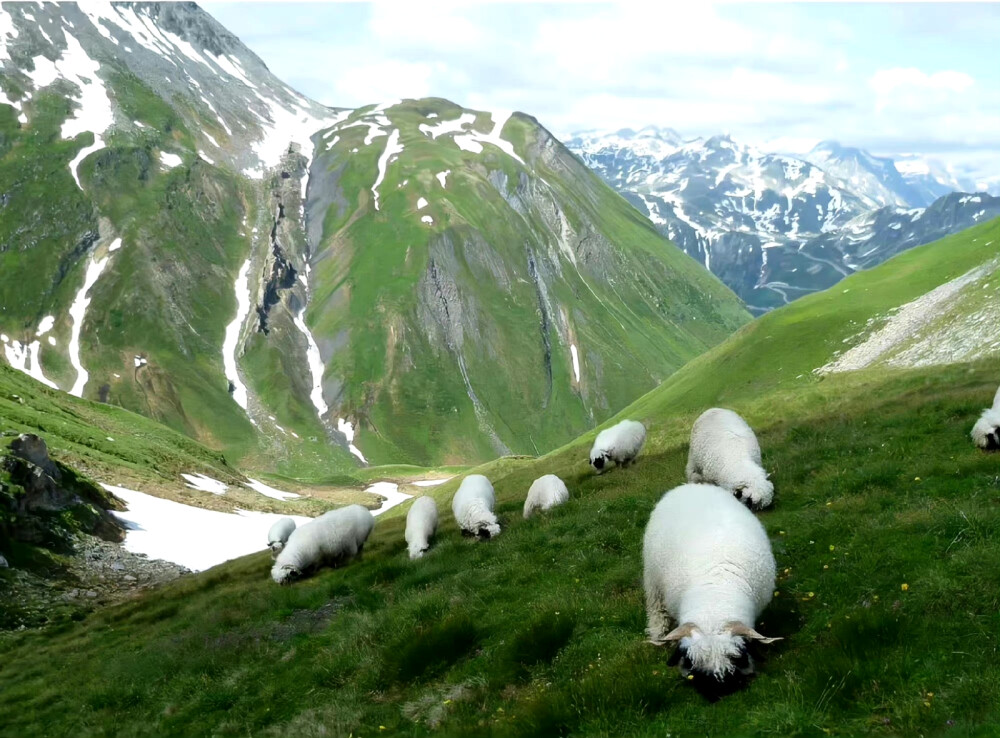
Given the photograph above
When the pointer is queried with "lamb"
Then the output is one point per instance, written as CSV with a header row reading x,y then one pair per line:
x,y
472,506
278,535
620,443
544,494
986,431
333,538
724,451
421,524
709,573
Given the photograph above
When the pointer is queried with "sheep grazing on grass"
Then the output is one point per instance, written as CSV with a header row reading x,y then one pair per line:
x,y
333,538
620,443
544,494
708,573
421,524
724,451
278,535
473,507
986,431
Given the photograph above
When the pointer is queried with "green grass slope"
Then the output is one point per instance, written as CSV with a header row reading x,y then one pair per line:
x,y
885,530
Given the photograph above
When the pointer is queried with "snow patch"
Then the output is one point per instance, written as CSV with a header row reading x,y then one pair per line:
x,y
94,112
448,126
576,362
421,204
191,536
77,311
233,330
427,219
27,359
315,361
169,161
271,492
347,428
46,325
205,484
389,491
392,147
442,177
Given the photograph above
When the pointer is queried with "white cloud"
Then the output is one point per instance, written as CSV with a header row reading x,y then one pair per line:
x,y
382,80
886,81
787,74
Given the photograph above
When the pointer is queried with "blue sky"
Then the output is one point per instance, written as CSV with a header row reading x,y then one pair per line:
x,y
892,78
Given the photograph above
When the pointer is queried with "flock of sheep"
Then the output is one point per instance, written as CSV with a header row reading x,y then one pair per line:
x,y
708,567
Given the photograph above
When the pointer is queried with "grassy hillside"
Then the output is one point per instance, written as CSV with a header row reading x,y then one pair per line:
x,y
451,340
885,530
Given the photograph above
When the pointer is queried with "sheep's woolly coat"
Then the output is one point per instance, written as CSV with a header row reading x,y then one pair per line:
x,y
986,431
473,507
277,536
620,443
332,538
707,561
544,494
724,451
421,524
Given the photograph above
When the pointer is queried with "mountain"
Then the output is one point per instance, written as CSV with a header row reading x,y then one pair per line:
x,y
884,513
185,236
873,237
763,223
931,179
872,177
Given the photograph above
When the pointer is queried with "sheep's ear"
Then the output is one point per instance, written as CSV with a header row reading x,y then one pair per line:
x,y
739,629
682,631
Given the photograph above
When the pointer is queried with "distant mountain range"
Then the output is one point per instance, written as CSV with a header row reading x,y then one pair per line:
x,y
774,226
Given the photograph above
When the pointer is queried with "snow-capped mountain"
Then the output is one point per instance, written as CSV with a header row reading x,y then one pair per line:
x,y
184,235
873,177
748,215
930,179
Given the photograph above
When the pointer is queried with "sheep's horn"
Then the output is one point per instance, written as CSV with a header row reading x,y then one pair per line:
x,y
744,630
682,631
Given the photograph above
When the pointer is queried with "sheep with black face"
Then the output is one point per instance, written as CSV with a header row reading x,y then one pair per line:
x,y
724,451
986,431
473,505
278,535
332,539
620,444
708,574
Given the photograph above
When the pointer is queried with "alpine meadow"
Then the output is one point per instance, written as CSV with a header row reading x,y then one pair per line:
x,y
386,415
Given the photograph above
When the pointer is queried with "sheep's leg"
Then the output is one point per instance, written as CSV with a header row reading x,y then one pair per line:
x,y
658,620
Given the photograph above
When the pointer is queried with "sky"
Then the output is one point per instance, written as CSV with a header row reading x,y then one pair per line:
x,y
895,79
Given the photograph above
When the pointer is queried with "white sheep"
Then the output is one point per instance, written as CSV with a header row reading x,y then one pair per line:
x,y
724,451
709,573
620,443
473,505
421,524
544,494
277,536
986,431
332,538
